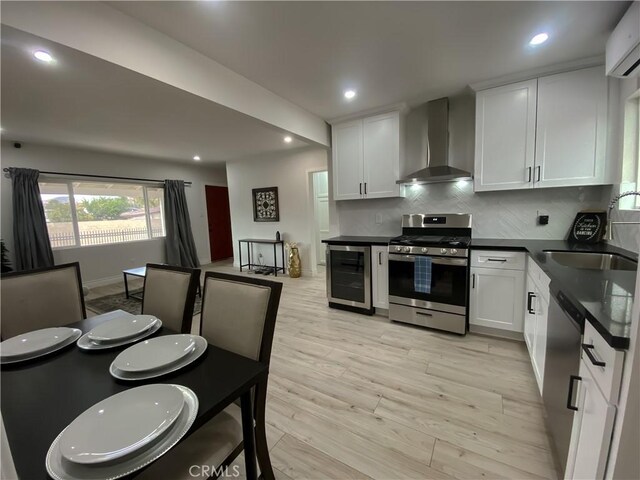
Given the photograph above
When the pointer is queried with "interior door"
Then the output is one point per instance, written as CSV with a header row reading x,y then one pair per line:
x,y
321,212
219,217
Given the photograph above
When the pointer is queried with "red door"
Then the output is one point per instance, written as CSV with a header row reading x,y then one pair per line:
x,y
219,217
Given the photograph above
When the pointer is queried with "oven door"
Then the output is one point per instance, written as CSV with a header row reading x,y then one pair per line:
x,y
449,283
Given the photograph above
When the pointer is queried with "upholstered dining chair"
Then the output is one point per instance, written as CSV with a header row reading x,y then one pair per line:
x,y
239,315
41,298
169,294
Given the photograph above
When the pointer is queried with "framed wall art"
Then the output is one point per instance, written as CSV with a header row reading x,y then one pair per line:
x,y
265,205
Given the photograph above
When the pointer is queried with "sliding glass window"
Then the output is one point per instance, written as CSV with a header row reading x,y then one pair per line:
x,y
101,213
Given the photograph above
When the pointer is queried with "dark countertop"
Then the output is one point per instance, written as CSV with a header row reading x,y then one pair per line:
x,y
357,240
605,298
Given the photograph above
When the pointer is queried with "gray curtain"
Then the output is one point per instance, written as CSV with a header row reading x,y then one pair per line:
x,y
30,235
180,246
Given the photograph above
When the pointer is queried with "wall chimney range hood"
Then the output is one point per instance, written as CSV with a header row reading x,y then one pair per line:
x,y
437,149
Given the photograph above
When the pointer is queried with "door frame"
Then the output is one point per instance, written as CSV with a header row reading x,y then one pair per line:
x,y
311,223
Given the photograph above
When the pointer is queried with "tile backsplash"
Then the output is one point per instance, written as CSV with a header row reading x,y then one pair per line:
x,y
506,214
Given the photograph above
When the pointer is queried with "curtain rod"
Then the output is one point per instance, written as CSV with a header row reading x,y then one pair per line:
x,y
148,180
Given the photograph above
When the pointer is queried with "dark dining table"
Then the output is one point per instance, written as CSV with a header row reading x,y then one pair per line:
x,y
42,396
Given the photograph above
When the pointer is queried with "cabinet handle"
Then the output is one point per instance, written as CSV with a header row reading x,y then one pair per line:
x,y
361,189
365,188
379,258
572,379
501,260
529,177
530,296
425,314
473,280
587,349
538,168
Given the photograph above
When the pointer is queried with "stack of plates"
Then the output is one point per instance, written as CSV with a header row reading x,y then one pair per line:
x,y
157,356
120,331
122,433
37,343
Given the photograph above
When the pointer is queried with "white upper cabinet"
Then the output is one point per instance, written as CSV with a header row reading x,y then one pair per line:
x,y
505,137
366,157
381,136
347,160
571,129
545,132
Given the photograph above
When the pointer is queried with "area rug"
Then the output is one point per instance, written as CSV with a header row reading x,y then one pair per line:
x,y
132,305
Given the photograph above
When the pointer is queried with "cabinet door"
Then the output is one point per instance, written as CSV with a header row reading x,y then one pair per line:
x,y
505,137
530,316
591,431
540,343
571,129
381,144
380,276
497,298
347,162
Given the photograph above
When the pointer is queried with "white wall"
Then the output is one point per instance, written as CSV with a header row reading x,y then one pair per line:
x,y
290,173
100,264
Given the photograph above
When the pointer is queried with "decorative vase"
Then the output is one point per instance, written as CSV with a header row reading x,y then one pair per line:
x,y
294,262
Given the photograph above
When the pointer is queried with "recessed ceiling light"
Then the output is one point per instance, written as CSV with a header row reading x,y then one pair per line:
x,y
43,56
349,94
288,139
539,39
197,158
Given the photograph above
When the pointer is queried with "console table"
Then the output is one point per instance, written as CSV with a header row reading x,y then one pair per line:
x,y
275,243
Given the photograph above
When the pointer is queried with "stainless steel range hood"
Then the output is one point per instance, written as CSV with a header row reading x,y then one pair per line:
x,y
437,148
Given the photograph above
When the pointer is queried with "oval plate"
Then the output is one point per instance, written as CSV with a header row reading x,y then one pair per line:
x,y
121,424
85,344
155,353
121,328
37,344
59,469
200,348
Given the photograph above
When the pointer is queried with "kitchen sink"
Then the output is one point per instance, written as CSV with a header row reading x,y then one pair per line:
x,y
592,261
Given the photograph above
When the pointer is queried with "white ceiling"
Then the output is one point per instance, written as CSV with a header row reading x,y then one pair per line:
x,y
83,101
309,52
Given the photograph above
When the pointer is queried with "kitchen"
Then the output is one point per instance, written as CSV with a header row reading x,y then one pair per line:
x,y
434,192
514,265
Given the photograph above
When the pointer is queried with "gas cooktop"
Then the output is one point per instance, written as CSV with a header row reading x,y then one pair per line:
x,y
431,241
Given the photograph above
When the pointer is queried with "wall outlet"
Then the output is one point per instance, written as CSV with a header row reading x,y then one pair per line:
x,y
542,217
378,219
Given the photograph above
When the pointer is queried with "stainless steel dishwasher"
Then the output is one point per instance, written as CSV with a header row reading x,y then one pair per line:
x,y
562,363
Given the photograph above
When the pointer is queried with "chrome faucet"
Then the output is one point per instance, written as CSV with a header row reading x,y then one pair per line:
x,y
610,224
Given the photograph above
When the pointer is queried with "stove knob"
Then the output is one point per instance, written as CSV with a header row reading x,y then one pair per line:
x,y
398,249
443,251
454,251
407,249
425,250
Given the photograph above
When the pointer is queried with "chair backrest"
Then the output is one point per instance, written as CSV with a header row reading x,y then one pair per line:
x,y
239,314
41,298
169,294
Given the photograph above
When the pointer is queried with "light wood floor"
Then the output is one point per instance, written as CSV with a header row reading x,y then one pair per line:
x,y
352,396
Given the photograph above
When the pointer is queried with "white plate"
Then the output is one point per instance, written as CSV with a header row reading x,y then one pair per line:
x,y
122,424
155,353
200,347
37,343
61,469
87,344
121,328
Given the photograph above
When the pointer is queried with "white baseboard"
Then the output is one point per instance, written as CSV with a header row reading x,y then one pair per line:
x,y
101,282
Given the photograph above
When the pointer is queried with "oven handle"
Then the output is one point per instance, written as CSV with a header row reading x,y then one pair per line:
x,y
394,257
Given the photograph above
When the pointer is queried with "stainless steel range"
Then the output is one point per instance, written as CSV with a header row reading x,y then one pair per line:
x,y
439,297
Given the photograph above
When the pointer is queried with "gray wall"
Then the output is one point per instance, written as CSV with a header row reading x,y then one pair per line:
x,y
103,263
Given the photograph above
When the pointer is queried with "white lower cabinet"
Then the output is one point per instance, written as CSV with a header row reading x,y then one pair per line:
x,y
496,298
380,276
591,432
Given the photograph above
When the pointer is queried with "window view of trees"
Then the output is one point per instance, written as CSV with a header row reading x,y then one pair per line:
x,y
104,213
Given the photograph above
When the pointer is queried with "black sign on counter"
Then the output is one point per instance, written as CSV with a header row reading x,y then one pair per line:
x,y
588,227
